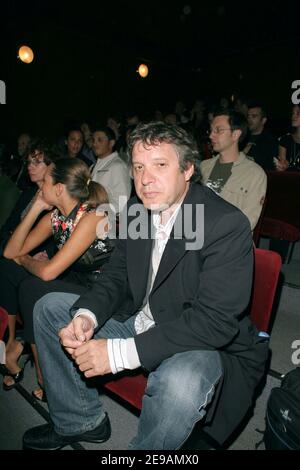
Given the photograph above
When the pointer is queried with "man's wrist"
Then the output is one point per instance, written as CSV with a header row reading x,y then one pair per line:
x,y
87,313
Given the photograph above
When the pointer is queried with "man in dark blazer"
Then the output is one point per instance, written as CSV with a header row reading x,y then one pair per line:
x,y
172,299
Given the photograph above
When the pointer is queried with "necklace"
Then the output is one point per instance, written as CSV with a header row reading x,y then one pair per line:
x,y
296,155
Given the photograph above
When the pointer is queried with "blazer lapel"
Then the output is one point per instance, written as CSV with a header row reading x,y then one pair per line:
x,y
174,251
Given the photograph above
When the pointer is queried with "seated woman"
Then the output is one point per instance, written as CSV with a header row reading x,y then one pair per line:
x,y
39,156
289,145
67,186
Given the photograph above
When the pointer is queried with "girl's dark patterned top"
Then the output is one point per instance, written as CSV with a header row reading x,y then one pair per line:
x,y
63,227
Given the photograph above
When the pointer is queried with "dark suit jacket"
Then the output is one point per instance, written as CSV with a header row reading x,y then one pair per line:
x,y
198,299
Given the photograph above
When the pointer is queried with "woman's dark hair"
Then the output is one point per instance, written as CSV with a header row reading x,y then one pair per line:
x,y
75,175
43,146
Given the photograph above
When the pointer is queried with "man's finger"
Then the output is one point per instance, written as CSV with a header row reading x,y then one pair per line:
x,y
82,349
78,329
68,342
70,351
91,373
85,366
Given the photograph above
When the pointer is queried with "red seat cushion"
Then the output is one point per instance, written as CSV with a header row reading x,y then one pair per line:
x,y
130,388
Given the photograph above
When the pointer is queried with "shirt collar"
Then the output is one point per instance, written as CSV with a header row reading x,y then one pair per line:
x,y
104,161
167,228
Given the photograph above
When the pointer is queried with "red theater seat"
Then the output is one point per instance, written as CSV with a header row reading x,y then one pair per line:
x,y
3,322
281,219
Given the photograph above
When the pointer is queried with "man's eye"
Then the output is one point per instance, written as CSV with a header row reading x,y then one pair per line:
x,y
161,165
137,168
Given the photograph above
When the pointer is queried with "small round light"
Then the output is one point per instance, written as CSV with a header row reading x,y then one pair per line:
x,y
26,54
143,70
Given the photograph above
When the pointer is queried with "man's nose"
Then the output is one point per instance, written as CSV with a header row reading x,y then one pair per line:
x,y
147,177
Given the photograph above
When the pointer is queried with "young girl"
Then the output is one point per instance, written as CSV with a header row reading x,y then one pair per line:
x,y
80,251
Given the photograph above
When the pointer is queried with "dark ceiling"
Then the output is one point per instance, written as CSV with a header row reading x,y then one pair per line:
x,y
86,55
191,33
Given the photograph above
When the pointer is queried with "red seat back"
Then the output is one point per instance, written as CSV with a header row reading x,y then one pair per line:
x,y
281,219
266,273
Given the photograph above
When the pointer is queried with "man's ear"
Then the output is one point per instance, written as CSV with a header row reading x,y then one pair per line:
x,y
189,171
264,120
236,134
112,144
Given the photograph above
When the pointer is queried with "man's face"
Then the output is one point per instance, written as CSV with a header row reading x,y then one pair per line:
x,y
255,120
36,166
23,143
158,179
74,143
102,146
221,135
296,116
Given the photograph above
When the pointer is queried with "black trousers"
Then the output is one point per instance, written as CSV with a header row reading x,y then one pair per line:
x,y
11,276
33,289
20,290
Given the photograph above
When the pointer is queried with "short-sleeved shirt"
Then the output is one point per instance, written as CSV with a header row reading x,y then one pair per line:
x,y
292,151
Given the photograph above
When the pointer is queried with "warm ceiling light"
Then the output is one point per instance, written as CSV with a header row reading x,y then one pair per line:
x,y
25,54
143,70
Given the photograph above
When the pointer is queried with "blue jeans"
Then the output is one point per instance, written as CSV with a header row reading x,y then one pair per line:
x,y
176,396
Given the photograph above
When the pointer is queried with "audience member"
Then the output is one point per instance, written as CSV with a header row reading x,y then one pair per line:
x,y
67,186
15,167
240,104
110,170
38,158
289,145
74,145
260,145
87,150
231,174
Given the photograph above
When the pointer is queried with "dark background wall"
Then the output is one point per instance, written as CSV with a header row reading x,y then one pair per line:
x,y
86,59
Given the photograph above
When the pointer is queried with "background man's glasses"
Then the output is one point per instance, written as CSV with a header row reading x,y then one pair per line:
x,y
218,130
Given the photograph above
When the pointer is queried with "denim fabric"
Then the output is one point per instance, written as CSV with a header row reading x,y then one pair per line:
x,y
176,396
177,392
73,403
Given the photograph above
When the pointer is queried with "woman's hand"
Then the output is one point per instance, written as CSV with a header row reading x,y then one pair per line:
x,y
41,256
280,165
20,259
40,202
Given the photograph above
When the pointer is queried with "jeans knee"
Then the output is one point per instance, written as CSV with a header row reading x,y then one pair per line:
x,y
53,310
43,309
186,377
